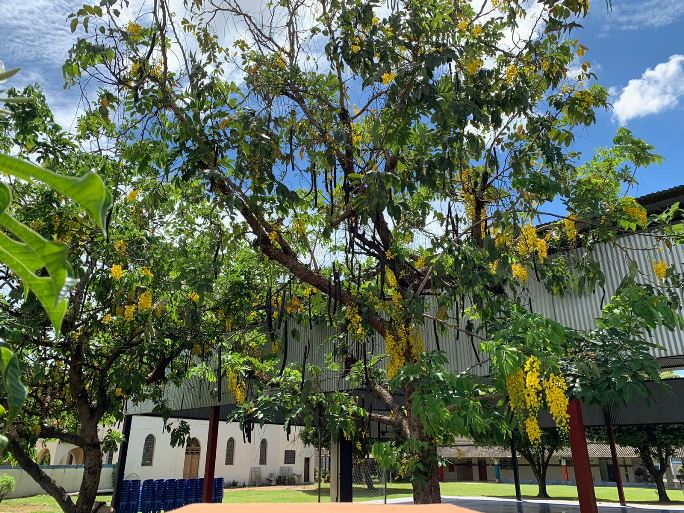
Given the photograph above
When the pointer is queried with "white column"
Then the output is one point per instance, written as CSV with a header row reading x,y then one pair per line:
x,y
334,471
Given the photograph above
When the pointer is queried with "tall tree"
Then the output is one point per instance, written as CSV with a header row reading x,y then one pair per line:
x,y
393,159
137,314
655,444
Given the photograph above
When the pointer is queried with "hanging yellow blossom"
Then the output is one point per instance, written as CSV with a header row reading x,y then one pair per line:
x,y
237,387
387,77
476,30
660,269
129,312
472,66
519,272
351,313
132,195
533,385
420,263
193,296
120,247
463,25
555,389
355,48
533,430
396,357
636,212
273,235
145,301
117,272
515,385
570,224
133,29
118,392
493,266
146,272
542,250
107,318
511,74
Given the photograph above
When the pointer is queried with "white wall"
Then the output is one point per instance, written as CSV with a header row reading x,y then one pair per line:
x,y
67,476
168,461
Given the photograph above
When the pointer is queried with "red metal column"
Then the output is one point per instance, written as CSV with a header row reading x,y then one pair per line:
x,y
613,455
210,460
580,459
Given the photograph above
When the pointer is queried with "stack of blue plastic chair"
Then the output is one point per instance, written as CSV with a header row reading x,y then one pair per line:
x,y
169,497
124,497
190,488
147,496
131,505
180,492
158,505
199,489
218,490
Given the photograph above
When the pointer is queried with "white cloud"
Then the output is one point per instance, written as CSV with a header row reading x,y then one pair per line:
x,y
640,14
657,90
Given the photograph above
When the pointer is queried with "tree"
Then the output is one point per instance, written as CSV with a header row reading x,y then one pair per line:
x,y
653,443
137,316
393,159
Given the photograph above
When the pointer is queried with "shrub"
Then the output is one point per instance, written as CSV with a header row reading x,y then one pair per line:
x,y
7,484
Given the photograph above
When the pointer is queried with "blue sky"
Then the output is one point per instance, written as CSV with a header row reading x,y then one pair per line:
x,y
637,50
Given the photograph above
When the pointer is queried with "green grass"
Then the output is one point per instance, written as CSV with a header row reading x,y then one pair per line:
x,y
45,504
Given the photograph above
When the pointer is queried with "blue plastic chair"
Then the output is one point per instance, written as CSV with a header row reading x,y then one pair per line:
x,y
147,496
218,489
181,492
199,489
124,489
158,504
133,503
190,495
169,496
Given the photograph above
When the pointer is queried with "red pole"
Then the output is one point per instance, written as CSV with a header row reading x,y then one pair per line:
x,y
613,456
210,461
580,459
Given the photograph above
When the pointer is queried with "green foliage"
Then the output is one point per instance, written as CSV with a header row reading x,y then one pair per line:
x,y
7,485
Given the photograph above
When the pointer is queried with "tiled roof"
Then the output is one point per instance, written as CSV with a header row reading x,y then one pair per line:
x,y
464,448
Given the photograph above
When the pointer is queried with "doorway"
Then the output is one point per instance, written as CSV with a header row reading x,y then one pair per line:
x,y
192,457
482,469
307,464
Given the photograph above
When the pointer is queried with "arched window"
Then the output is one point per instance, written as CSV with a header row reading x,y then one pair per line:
x,y
230,451
43,457
148,451
263,446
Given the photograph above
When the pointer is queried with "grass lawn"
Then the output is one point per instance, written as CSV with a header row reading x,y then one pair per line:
x,y
45,504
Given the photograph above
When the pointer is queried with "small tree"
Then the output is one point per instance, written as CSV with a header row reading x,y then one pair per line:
x,y
653,443
7,485
539,455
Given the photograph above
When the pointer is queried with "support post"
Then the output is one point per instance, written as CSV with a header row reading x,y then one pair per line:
x,y
345,466
613,455
210,460
516,469
121,463
580,459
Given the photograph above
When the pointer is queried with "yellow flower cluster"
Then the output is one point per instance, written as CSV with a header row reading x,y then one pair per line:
x,y
145,301
132,195
120,247
533,430
529,243
237,388
519,272
555,389
532,384
295,305
636,212
117,272
511,74
472,66
133,29
193,296
515,384
571,228
107,318
146,272
129,312
351,313
403,342
660,269
387,77
396,356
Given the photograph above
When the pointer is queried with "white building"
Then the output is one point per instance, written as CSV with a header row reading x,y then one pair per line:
x,y
269,459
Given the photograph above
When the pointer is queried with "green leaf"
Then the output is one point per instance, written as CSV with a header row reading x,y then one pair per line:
x,y
88,190
11,375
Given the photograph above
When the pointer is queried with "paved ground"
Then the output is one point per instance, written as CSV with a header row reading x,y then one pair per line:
x,y
498,505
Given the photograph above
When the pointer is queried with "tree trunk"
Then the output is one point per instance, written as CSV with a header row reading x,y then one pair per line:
x,y
92,461
44,481
656,475
426,482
